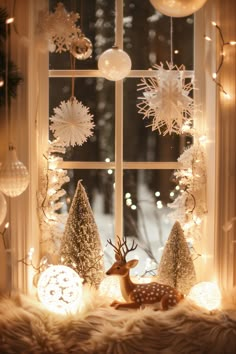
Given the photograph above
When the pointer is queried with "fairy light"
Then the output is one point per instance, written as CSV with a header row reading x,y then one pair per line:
x,y
127,195
3,235
9,20
110,171
222,56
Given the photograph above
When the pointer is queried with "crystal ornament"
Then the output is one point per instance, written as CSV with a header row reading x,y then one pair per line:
x,y
3,208
177,8
59,28
72,122
81,48
14,176
114,64
166,99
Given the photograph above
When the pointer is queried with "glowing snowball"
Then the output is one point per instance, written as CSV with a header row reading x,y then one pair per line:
x,y
114,64
110,286
206,294
60,289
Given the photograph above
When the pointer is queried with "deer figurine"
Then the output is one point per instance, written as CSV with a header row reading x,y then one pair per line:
x,y
137,295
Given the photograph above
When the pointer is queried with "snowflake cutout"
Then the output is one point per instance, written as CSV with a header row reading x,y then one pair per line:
x,y
72,122
59,28
166,99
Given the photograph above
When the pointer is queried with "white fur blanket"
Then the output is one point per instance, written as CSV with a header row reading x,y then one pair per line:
x,y
26,327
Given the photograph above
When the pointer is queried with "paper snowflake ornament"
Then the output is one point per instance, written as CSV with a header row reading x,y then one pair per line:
x,y
166,99
72,122
59,28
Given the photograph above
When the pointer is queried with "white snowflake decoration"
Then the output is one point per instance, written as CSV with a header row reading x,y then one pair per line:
x,y
166,99
72,122
59,28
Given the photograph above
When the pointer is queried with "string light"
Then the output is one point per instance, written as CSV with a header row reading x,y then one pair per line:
x,y
222,56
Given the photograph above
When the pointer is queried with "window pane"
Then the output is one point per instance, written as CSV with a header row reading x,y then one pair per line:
x,y
147,36
140,142
146,214
98,95
99,186
97,22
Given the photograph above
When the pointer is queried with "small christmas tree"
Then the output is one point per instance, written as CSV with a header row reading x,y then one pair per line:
x,y
81,245
176,266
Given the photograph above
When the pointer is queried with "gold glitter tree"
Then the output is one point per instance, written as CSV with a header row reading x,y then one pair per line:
x,y
176,266
81,245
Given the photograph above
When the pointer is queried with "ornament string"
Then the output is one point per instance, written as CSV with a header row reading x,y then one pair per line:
x,y
72,63
171,40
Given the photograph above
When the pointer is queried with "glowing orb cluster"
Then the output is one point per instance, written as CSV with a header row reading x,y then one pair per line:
x,y
206,294
60,289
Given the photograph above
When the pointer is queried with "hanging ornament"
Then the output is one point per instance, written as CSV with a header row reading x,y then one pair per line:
x,y
166,99
14,177
177,8
3,208
81,48
59,28
114,64
72,122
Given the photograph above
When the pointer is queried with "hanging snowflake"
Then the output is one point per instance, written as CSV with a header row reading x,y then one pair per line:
x,y
59,28
166,99
72,122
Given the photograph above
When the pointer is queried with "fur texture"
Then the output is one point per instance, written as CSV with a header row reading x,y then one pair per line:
x,y
26,327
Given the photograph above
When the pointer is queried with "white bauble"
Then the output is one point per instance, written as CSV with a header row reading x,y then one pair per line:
x,y
3,208
14,176
114,64
177,8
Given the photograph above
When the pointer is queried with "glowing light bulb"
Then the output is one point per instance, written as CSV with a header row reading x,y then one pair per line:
x,y
127,195
157,194
133,207
114,64
213,23
232,42
107,159
207,38
226,95
214,75
109,171
9,20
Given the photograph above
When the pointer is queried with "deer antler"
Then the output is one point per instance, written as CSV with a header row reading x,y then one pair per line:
x,y
121,252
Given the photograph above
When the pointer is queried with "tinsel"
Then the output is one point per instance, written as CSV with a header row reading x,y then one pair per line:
x,y
176,267
49,199
81,245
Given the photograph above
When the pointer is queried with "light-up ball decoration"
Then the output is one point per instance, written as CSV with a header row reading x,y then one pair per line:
x,y
60,289
14,176
110,287
206,294
114,64
177,8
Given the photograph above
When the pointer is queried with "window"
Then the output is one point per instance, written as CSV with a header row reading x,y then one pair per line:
x,y
127,169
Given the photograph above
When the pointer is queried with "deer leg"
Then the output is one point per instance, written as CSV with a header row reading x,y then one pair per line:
x,y
128,305
165,302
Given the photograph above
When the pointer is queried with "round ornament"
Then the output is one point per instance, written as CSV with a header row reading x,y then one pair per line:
x,y
60,289
81,48
177,8
114,64
14,176
3,208
206,294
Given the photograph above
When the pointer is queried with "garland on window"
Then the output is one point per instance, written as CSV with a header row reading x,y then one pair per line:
x,y
50,198
189,207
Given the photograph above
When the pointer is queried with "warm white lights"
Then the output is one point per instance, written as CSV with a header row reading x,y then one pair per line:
x,y
206,294
14,177
114,64
9,20
60,289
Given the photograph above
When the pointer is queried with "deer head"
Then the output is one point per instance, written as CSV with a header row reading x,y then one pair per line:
x,y
121,266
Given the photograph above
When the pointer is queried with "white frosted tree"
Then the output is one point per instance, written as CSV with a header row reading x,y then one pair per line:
x,y
81,245
176,266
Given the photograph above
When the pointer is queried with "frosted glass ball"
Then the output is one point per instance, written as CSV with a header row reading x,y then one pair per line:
x,y
114,64
3,208
177,8
206,294
60,289
14,176
81,48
